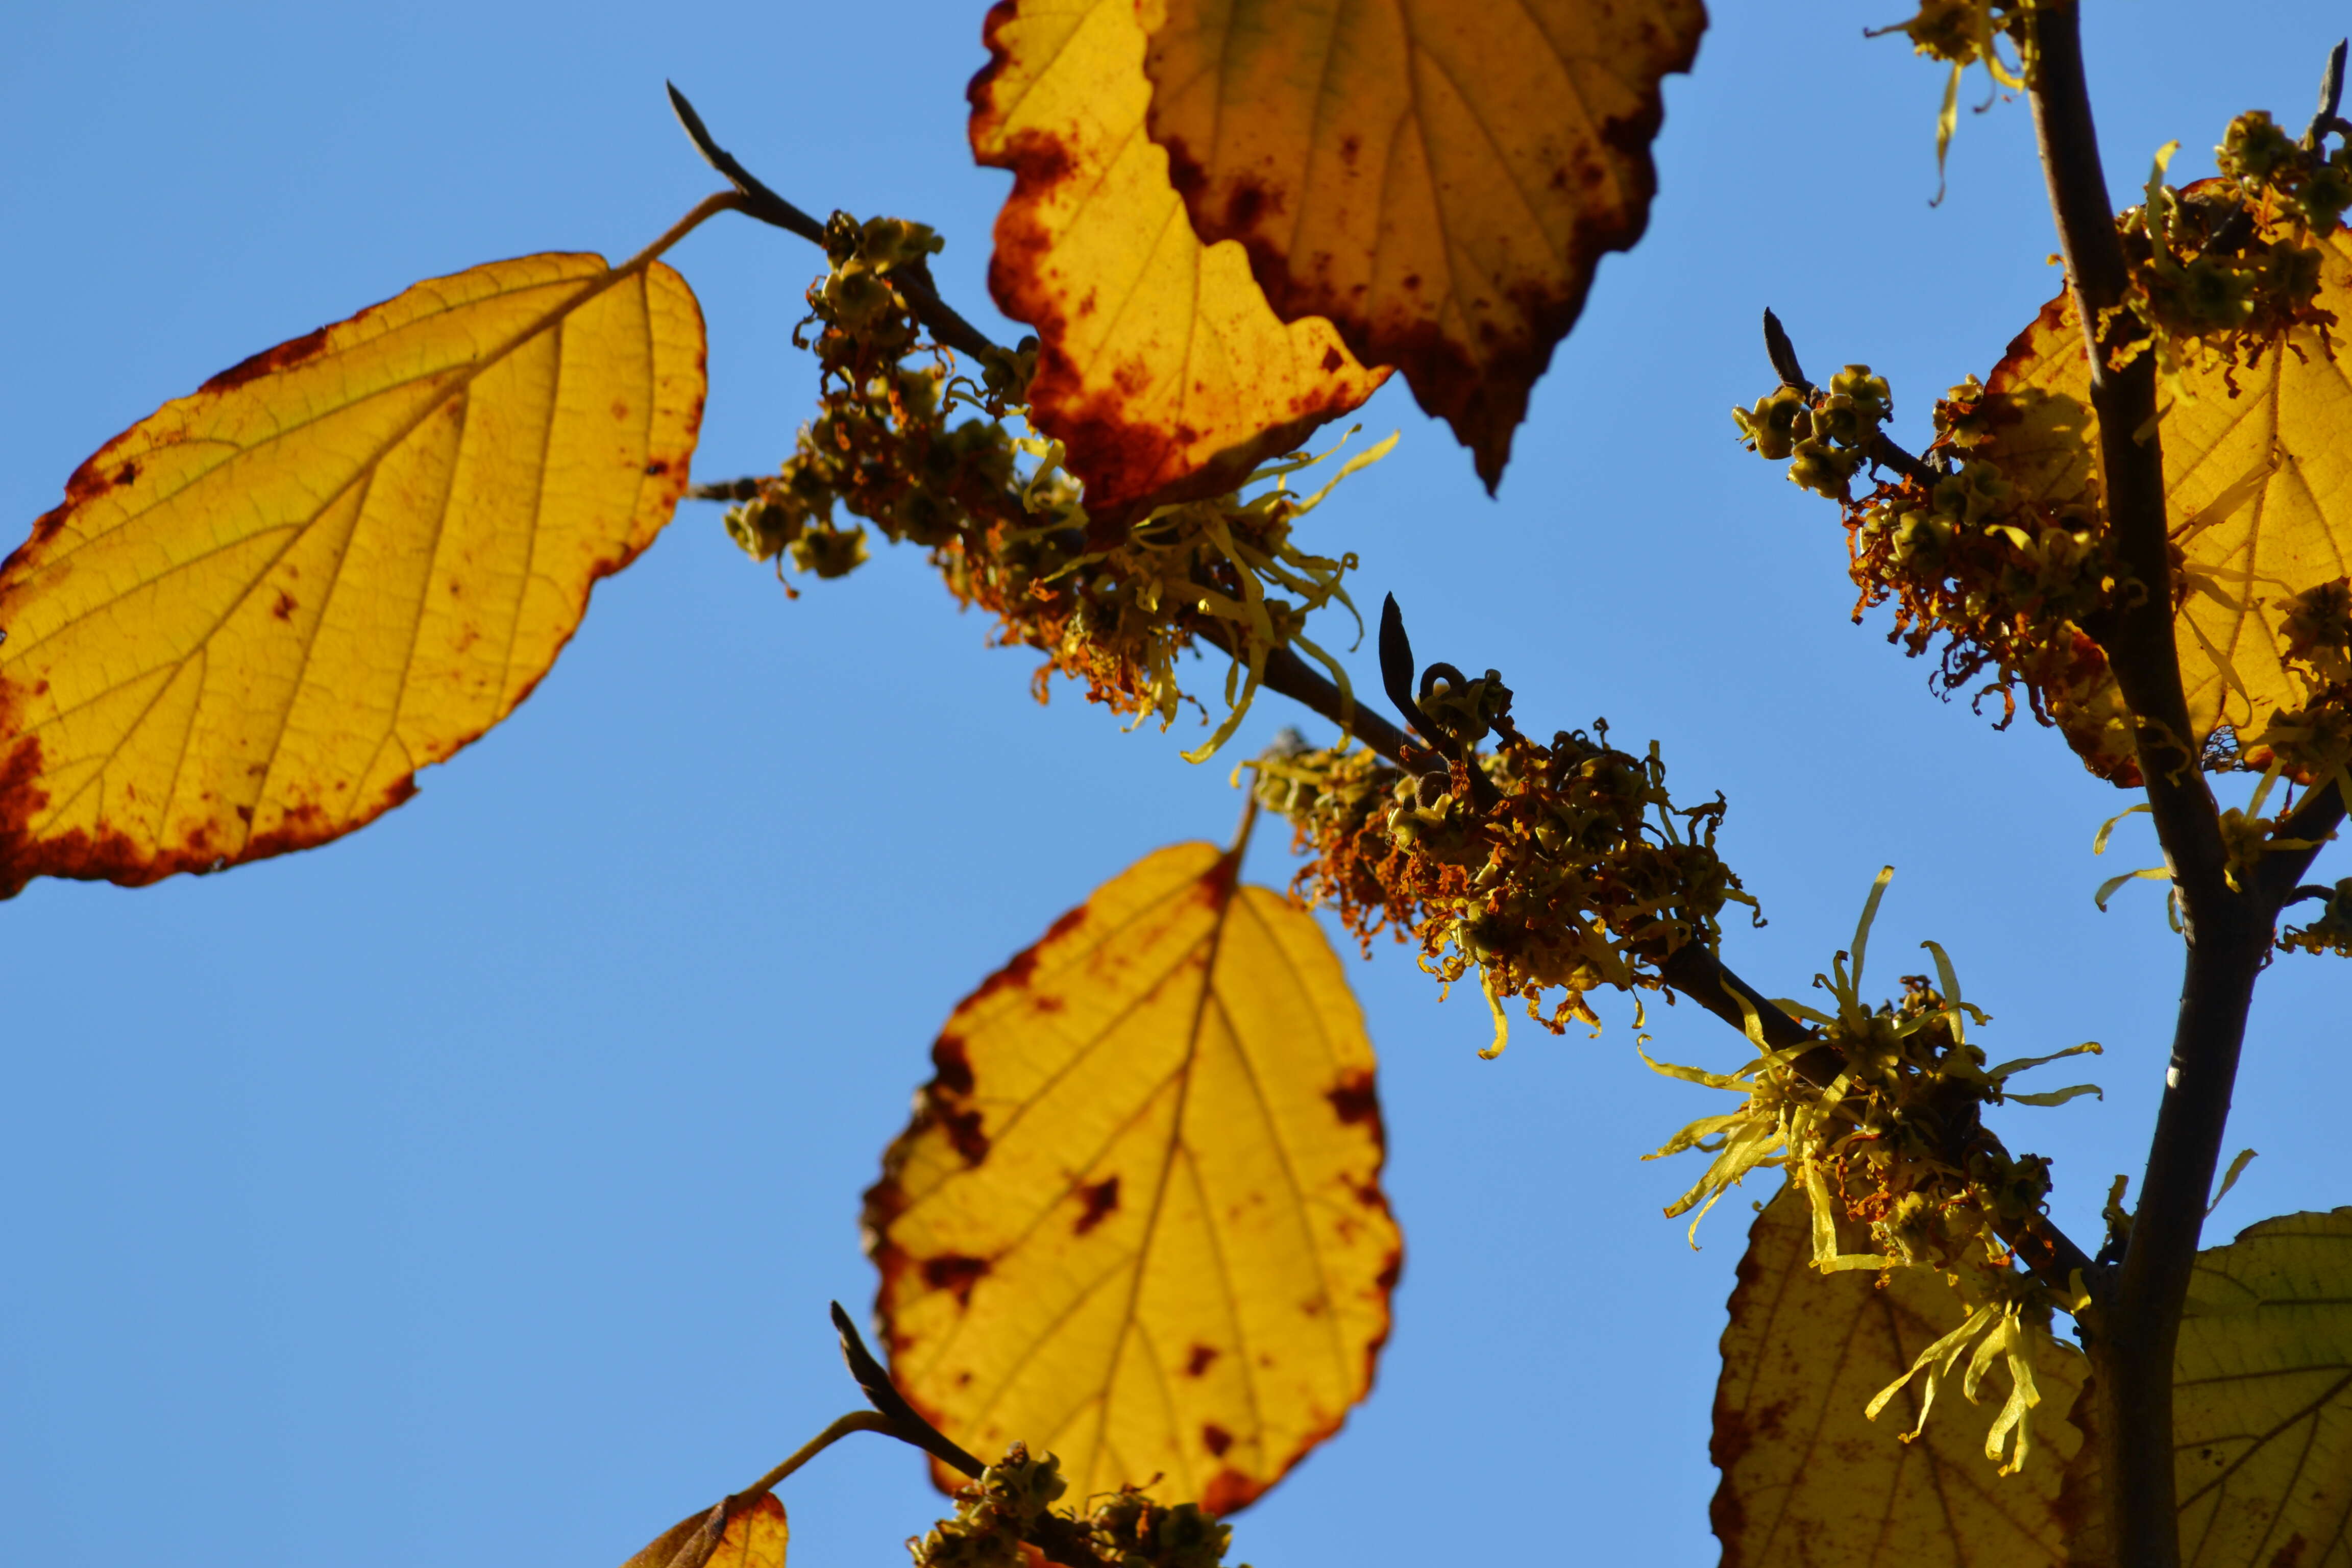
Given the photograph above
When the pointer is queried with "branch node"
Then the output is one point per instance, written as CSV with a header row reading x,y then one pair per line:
x,y
907,1425
2331,97
761,203
1784,354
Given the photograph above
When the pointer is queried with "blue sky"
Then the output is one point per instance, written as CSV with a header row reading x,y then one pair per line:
x,y
472,1190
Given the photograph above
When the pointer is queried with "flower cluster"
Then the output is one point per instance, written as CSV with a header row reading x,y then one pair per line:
x,y
2003,577
2222,270
1965,32
1877,1120
994,1514
1113,603
1825,437
1562,868
2331,932
1012,1502
1966,554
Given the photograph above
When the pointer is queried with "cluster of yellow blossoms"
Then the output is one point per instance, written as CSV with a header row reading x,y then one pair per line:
x,y
1877,1120
1110,601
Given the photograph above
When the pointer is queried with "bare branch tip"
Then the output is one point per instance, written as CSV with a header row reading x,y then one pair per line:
x,y
1783,353
691,122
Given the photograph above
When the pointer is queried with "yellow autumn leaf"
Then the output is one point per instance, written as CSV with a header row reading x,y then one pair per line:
x,y
1808,1482
1159,366
2262,1401
1437,179
261,609
735,1533
1137,1221
2259,482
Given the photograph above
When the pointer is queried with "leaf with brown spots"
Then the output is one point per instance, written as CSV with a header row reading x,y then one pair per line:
x,y
1138,1221
1808,1482
739,1533
261,609
1437,179
2262,1401
1159,367
2258,482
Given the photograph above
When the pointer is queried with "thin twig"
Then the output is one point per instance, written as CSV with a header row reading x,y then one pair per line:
x,y
1784,354
763,202
2331,99
907,1424
745,489
698,1549
946,326
843,1425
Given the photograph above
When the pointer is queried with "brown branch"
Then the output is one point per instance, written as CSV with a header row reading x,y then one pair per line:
x,y
745,489
2137,631
2135,1321
906,1422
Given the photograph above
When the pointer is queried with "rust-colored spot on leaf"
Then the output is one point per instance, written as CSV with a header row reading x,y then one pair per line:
x,y
285,607
963,1131
1356,1100
1197,1360
269,362
1097,1203
954,1273
1229,1491
1215,1438
951,1064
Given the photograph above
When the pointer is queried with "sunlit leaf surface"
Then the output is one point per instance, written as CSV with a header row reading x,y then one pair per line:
x,y
1160,365
2263,1398
1438,179
1137,1220
2260,485
264,607
754,1536
1808,1482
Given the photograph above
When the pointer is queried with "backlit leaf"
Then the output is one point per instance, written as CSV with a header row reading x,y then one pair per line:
x,y
1159,365
1438,179
2262,1401
261,609
733,1534
1808,1482
1137,1221
2259,486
